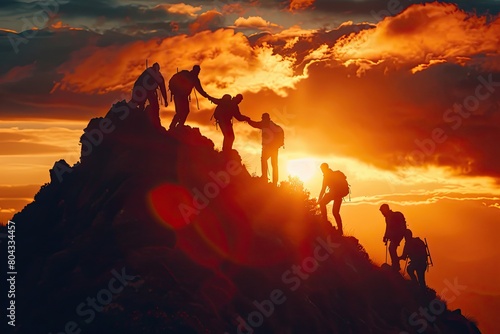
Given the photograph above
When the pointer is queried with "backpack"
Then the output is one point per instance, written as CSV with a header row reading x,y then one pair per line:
x,y
418,250
278,135
224,110
179,83
398,225
338,183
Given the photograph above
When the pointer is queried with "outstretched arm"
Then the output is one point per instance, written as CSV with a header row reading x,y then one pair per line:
x,y
197,85
237,114
254,124
215,100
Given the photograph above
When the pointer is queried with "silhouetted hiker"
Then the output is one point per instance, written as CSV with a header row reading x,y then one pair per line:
x,y
338,188
416,250
273,137
181,84
394,232
226,109
145,89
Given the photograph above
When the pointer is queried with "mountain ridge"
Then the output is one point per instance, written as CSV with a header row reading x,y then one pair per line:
x,y
196,245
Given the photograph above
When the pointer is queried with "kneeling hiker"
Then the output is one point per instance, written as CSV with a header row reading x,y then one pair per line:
x,y
416,250
226,109
338,188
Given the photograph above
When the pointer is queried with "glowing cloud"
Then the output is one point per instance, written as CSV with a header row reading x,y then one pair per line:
x,y
253,22
229,64
424,34
181,9
210,20
300,4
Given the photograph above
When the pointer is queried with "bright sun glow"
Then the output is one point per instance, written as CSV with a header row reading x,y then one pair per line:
x,y
304,169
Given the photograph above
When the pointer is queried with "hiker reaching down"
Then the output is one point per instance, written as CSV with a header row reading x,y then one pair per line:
x,y
181,84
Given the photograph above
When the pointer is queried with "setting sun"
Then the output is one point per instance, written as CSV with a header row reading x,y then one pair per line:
x,y
304,169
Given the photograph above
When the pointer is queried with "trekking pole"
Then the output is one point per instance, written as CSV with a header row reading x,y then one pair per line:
x,y
406,264
386,249
429,258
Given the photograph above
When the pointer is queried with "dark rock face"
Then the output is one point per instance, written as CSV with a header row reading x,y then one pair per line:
x,y
156,232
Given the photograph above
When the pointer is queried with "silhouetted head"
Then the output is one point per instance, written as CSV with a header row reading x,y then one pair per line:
x,y
384,208
324,167
226,98
266,117
156,67
196,69
238,98
408,234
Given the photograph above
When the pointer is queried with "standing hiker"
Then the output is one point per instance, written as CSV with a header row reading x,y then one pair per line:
x,y
394,232
181,84
145,89
338,188
226,109
273,137
416,250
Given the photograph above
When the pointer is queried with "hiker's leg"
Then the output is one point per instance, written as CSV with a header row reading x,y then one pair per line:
x,y
139,96
183,110
263,162
230,137
154,108
393,247
322,205
175,120
274,164
411,272
153,102
337,202
421,275
227,131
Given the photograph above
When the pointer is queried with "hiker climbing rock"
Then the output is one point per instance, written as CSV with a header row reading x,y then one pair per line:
x,y
416,250
181,84
394,232
226,109
338,188
145,89
273,137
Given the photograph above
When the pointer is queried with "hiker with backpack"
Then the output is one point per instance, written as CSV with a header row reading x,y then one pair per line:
x,y
181,84
145,90
226,109
273,137
338,188
394,232
416,250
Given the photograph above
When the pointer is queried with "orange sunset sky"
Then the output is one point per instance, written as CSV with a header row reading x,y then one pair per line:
x,y
402,96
